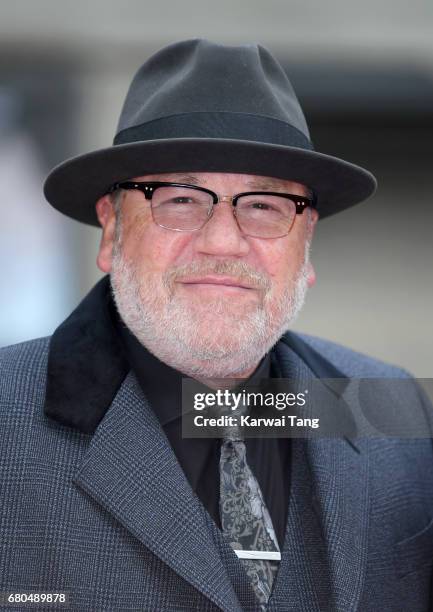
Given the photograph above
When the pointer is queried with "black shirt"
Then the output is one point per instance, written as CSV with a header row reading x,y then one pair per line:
x,y
268,458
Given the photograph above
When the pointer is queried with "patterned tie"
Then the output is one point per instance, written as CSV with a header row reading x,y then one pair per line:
x,y
245,519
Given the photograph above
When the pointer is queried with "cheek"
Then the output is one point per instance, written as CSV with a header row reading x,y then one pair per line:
x,y
152,248
282,261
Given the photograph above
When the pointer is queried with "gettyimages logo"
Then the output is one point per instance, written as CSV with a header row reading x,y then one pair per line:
x,y
287,408
236,400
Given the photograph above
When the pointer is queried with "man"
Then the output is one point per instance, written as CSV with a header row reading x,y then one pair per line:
x,y
208,201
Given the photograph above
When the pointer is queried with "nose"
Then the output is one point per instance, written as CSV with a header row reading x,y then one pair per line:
x,y
221,235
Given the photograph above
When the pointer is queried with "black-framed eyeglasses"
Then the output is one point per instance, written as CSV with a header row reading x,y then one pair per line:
x,y
187,208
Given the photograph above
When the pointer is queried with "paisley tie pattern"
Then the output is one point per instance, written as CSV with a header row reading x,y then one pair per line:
x,y
245,519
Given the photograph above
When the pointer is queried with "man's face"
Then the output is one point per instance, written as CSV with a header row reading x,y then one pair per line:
x,y
210,302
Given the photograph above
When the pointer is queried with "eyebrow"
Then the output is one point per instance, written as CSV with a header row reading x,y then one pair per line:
x,y
253,183
267,184
263,184
271,185
182,178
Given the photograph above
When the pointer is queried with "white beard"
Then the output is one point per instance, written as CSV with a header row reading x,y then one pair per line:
x,y
216,339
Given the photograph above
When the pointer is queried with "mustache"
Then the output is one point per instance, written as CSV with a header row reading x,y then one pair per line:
x,y
238,269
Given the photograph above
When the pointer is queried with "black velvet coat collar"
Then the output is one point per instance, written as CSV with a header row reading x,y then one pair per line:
x,y
87,362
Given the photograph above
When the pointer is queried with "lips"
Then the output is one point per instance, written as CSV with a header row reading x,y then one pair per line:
x,y
226,281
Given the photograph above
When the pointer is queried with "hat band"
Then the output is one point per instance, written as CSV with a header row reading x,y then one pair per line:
x,y
218,125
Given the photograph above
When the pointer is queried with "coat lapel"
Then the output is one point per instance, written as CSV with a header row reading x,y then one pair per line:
x,y
323,562
131,470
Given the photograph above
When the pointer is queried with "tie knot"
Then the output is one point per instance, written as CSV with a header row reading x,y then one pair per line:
x,y
234,431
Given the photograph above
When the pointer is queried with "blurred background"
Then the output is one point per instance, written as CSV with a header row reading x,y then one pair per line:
x,y
364,75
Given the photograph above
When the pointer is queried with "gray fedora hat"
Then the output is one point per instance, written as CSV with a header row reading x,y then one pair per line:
x,y
199,106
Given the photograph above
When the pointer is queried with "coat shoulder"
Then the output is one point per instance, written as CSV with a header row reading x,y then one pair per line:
x,y
351,362
23,369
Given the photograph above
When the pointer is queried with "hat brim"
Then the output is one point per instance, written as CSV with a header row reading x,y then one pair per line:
x,y
74,186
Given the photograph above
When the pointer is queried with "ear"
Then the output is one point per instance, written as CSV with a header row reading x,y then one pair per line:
x,y
314,217
107,218
311,273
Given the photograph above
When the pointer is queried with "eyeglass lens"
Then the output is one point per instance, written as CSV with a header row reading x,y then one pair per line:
x,y
185,209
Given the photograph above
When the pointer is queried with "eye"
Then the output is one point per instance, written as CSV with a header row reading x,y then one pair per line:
x,y
182,200
264,206
261,205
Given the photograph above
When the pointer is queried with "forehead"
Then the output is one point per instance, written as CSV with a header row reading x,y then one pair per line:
x,y
218,180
